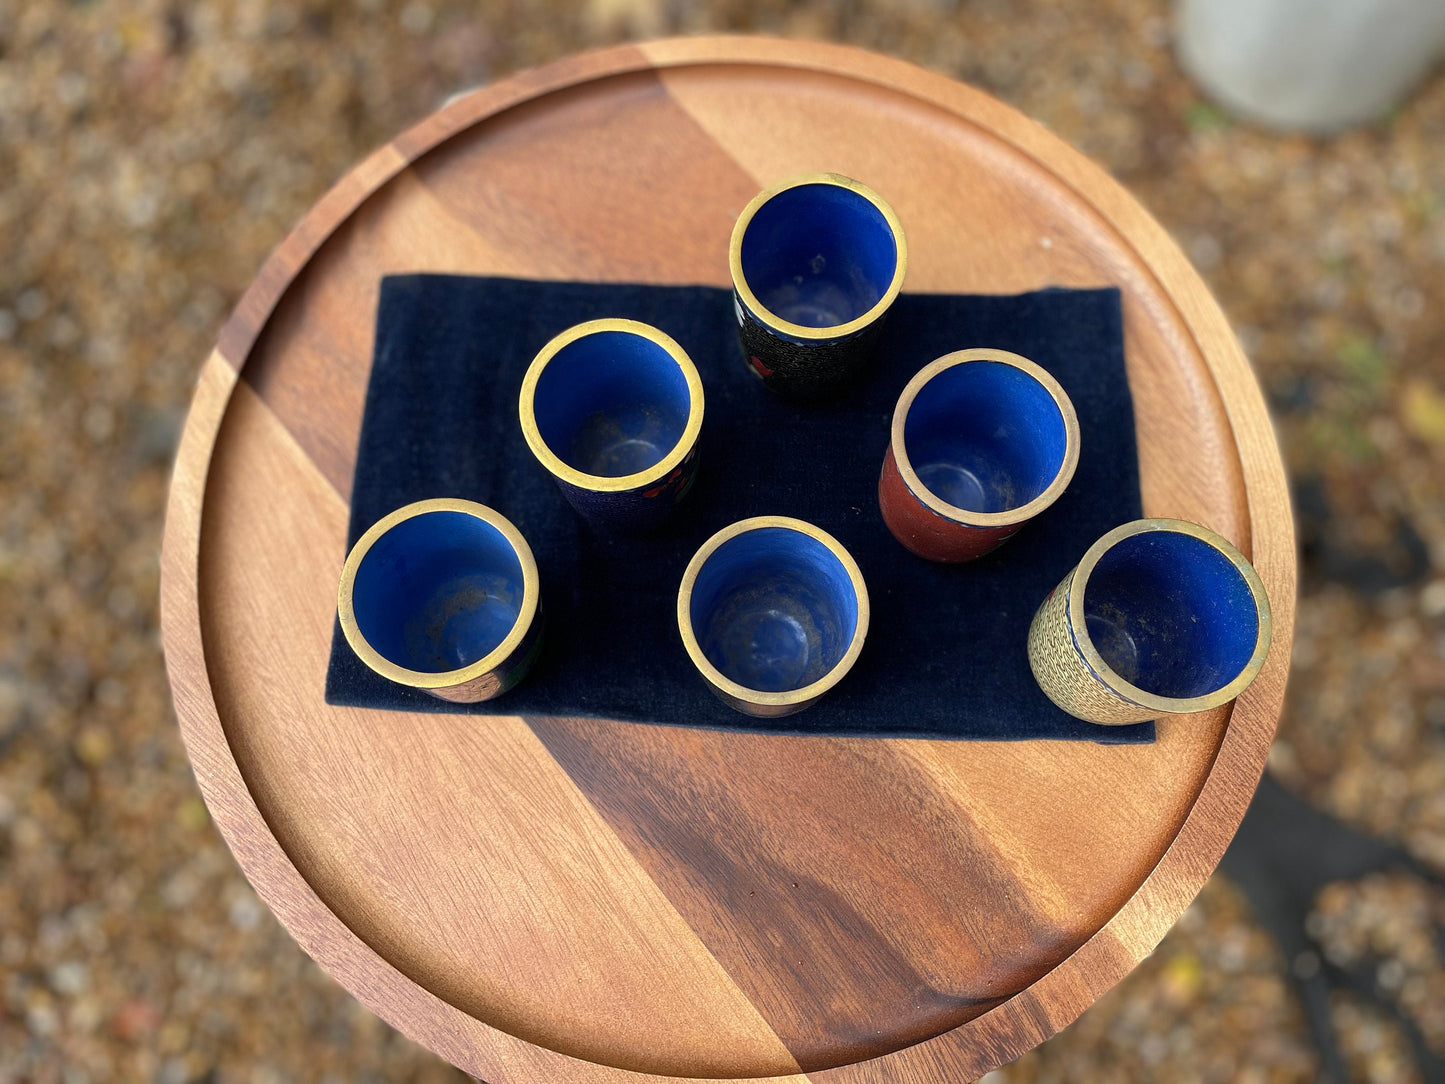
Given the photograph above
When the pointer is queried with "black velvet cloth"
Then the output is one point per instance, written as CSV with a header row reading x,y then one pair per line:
x,y
946,654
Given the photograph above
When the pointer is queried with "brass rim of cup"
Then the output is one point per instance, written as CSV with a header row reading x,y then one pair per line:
x,y
1079,629
599,483
742,692
965,516
420,679
800,331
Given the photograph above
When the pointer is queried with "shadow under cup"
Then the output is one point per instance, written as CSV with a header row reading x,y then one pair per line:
x,y
612,409
773,612
443,595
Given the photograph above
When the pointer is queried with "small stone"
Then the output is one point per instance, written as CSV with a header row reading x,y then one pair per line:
x,y
417,18
245,910
31,304
1432,599
8,323
1391,974
109,692
69,978
1422,408
1181,978
94,746
86,1014
64,332
1409,303
643,18
1137,75
1205,251
192,815
173,1038
99,422
71,88
1153,1049
41,1017
135,1020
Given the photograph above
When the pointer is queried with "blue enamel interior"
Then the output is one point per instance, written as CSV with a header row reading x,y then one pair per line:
x,y
438,591
1170,614
611,404
818,255
985,436
774,609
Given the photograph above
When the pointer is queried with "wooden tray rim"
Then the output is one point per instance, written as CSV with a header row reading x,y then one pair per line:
x,y
996,1037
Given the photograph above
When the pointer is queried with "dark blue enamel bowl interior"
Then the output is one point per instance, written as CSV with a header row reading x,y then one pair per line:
x,y
611,404
773,609
985,436
818,255
1170,614
438,591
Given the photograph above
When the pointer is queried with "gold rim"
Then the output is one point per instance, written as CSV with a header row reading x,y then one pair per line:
x,y
726,684
787,327
596,482
419,679
1023,512
1173,705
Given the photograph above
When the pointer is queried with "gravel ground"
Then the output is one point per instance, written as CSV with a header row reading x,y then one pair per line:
x,y
152,153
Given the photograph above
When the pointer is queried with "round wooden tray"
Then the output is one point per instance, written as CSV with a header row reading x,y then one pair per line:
x,y
566,899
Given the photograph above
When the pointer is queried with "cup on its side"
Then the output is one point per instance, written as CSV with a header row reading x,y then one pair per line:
x,y
816,262
773,612
1160,617
982,441
612,409
442,595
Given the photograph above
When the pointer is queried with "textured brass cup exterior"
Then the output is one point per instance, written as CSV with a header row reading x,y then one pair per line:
x,y
1072,673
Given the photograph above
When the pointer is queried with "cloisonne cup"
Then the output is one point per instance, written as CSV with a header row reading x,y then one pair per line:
x,y
773,612
982,441
613,408
816,262
442,595
1161,617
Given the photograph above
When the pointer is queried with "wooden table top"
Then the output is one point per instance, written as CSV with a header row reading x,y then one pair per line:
x,y
553,899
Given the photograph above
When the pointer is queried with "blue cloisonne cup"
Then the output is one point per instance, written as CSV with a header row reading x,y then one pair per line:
x,y
773,612
982,442
1161,617
613,408
816,261
442,595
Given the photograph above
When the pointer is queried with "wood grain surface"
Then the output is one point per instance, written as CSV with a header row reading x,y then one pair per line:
x,y
589,901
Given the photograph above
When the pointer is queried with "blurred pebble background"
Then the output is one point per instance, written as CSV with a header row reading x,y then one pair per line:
x,y
153,152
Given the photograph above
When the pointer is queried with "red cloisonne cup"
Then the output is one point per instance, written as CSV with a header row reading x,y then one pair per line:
x,y
982,441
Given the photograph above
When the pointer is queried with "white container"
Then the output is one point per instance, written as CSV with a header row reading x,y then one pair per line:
x,y
1310,65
